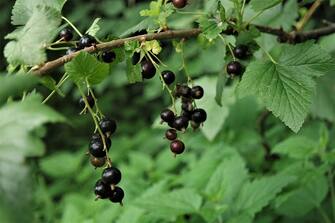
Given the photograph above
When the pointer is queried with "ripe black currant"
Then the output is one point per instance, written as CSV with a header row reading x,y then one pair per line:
x,y
86,41
179,3
167,116
197,92
108,126
96,147
117,195
102,190
71,50
168,77
148,69
66,34
187,114
89,99
108,57
136,58
171,134
180,123
98,161
187,106
183,90
241,51
199,115
177,146
234,68
111,176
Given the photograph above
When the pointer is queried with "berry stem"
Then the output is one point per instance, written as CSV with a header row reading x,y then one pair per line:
x,y
57,49
229,47
189,79
73,26
60,83
301,24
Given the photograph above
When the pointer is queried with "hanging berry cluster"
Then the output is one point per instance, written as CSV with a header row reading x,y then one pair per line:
x,y
235,68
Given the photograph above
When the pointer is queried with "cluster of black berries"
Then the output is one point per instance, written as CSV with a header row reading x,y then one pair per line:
x,y
189,115
235,68
85,41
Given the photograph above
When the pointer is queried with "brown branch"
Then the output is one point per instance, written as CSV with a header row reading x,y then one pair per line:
x,y
291,37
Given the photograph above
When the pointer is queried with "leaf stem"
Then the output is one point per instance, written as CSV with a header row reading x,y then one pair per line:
x,y
268,54
60,83
73,26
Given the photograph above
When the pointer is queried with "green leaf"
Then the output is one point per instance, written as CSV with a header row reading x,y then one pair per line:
x,y
260,5
86,67
220,84
94,28
28,42
210,28
133,72
145,24
286,87
257,194
297,147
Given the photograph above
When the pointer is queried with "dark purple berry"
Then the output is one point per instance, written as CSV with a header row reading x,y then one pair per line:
x,y
111,176
148,69
98,161
86,41
108,57
102,190
167,115
187,106
117,195
168,77
171,134
66,34
241,51
136,58
197,92
108,126
179,3
183,90
180,123
96,147
199,115
71,50
234,68
177,146
89,99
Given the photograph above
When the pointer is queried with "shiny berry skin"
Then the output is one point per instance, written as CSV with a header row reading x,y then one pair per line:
x,y
96,147
86,41
199,115
117,195
187,106
177,147
234,68
179,3
108,126
197,92
167,115
98,161
108,57
111,176
136,58
168,77
71,50
180,123
66,34
89,99
187,114
102,190
241,51
184,91
148,69
171,134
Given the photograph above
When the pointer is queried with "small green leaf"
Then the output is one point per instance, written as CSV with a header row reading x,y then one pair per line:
x,y
86,67
260,5
220,83
211,29
133,72
94,28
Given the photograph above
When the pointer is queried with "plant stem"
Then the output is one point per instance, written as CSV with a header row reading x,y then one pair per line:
x,y
73,26
60,83
324,215
300,25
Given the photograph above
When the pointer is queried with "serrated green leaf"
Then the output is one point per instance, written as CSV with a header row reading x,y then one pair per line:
x,y
287,87
210,28
260,5
94,28
86,67
28,42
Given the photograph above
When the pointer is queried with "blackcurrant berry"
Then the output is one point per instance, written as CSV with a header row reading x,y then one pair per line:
x,y
117,195
195,125
102,190
187,114
187,106
71,50
136,58
66,34
108,57
148,69
108,126
168,77
241,51
167,115
89,99
199,115
234,68
171,134
197,92
180,123
179,3
97,161
86,41
177,146
96,147
111,176
184,91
